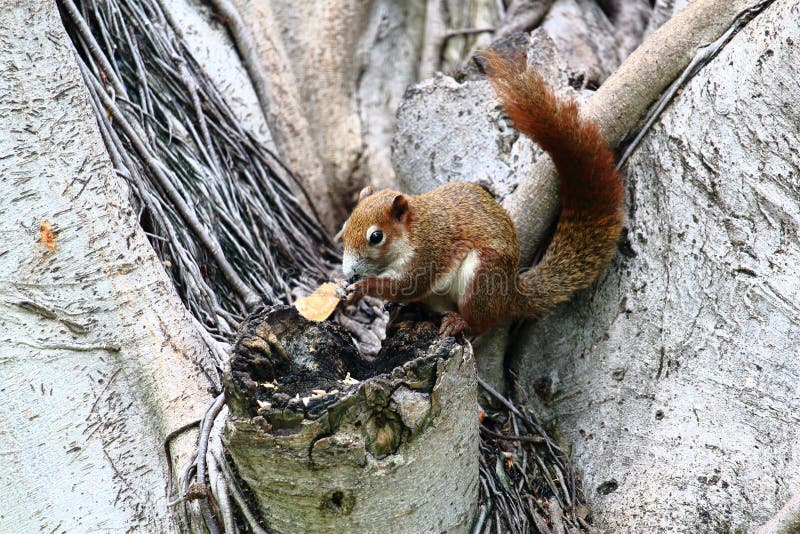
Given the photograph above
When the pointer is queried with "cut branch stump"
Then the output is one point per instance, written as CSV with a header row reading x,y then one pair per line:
x,y
330,441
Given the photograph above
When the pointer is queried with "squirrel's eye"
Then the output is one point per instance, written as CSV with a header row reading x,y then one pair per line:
x,y
375,237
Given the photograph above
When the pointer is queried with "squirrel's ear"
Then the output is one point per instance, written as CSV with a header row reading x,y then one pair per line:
x,y
399,207
367,191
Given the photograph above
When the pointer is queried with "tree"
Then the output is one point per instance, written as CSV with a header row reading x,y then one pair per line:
x,y
687,362
676,381
93,378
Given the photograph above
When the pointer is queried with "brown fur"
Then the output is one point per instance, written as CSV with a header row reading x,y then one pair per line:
x,y
441,227
591,189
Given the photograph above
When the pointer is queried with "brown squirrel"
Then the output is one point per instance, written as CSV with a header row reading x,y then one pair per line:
x,y
456,248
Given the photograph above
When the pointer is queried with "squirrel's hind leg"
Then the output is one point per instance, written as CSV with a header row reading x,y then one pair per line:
x,y
488,299
452,324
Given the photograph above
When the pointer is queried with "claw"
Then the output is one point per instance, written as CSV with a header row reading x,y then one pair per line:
x,y
353,293
452,324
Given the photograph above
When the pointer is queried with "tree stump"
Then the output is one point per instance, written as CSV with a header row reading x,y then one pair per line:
x,y
330,441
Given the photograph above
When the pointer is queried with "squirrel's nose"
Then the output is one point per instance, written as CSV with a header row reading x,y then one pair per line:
x,y
349,263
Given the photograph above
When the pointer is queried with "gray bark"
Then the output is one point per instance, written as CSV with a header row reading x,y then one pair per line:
x,y
396,451
475,14
585,38
663,10
675,378
212,47
343,70
620,103
449,131
701,435
333,90
93,378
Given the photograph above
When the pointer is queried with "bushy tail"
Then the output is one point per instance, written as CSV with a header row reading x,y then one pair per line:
x,y
591,188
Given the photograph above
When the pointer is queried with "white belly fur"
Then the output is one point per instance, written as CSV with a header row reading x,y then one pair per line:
x,y
450,286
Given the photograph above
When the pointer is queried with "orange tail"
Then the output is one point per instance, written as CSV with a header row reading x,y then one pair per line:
x,y
591,190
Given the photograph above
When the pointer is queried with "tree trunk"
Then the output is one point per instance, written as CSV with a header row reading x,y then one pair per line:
x,y
332,93
93,378
675,378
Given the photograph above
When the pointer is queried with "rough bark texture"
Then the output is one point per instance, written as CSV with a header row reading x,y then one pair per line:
x,y
332,91
451,131
693,282
621,102
523,16
461,15
586,40
93,377
283,106
675,379
338,72
663,10
396,451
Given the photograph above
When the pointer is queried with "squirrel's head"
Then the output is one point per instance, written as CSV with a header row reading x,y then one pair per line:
x,y
376,236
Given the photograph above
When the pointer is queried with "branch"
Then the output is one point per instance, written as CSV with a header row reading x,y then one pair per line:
x,y
237,495
168,452
432,40
523,16
94,48
624,98
435,38
787,519
200,490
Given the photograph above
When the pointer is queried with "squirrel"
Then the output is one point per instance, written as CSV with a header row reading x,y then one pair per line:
x,y
456,249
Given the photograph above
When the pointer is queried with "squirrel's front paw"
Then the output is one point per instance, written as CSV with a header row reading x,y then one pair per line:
x,y
354,292
452,324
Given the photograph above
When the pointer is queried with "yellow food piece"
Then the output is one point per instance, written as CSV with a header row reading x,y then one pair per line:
x,y
320,304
